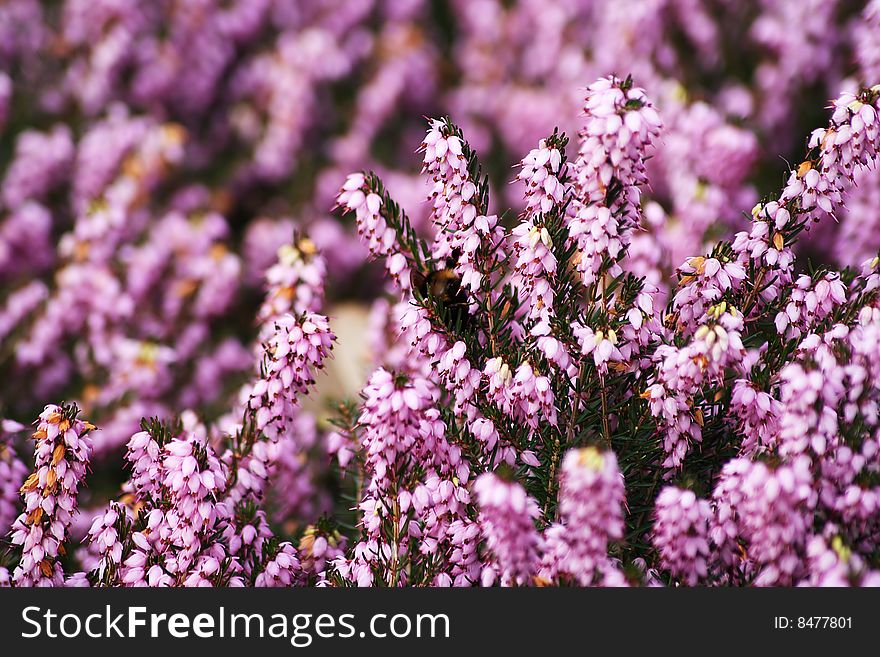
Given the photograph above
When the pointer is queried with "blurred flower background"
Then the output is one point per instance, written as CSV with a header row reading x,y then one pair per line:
x,y
165,163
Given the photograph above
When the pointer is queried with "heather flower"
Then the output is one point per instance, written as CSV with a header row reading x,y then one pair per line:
x,y
254,461
293,355
25,240
556,351
453,192
836,565
483,429
849,142
295,283
718,342
591,496
39,164
533,395
815,188
143,453
620,127
507,518
499,378
102,150
5,98
810,396
798,49
12,473
809,303
213,369
758,414
535,265
20,304
141,368
541,171
857,237
215,569
193,477
415,324
681,534
245,533
601,345
172,541
410,464
458,374
158,159
280,570
62,453
670,401
728,496
317,549
771,513
391,417
867,46
465,233
356,196
700,172
681,372
704,282
107,537
77,581
87,301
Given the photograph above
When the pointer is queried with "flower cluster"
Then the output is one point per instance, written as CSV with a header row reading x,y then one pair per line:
x,y
62,453
13,472
591,499
681,534
507,519
623,360
293,355
796,365
620,127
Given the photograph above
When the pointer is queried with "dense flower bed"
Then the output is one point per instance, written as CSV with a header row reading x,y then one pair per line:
x,y
659,368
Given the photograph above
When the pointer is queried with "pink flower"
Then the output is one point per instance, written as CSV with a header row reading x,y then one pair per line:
x,y
507,520
12,473
293,355
535,268
771,511
294,284
758,415
63,449
620,128
281,570
681,534
541,171
602,345
591,497
809,303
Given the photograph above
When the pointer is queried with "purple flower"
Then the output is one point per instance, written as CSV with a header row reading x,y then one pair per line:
x,y
62,453
591,497
507,520
12,474
293,355
681,534
620,127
